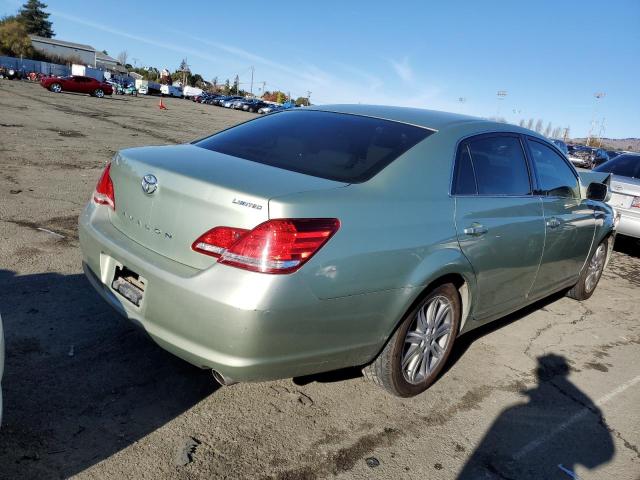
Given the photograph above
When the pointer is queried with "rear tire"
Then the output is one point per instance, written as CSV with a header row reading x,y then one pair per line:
x,y
55,87
98,92
418,350
591,274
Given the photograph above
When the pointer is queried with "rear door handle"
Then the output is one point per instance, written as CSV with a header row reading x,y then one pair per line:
x,y
475,230
553,223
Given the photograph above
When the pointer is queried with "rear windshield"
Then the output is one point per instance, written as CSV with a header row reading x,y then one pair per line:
x,y
336,146
623,165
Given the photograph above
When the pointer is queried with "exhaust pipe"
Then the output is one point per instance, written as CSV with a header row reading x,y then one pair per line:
x,y
222,380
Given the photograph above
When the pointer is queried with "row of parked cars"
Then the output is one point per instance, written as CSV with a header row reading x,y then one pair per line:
x,y
586,157
237,102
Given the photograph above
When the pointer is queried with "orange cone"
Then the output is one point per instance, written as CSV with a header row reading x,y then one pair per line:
x,y
161,105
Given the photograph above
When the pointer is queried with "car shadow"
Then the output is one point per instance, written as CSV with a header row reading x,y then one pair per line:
x,y
460,346
81,383
555,429
463,342
627,245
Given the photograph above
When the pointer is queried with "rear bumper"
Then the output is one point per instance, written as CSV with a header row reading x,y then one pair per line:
x,y
248,326
629,223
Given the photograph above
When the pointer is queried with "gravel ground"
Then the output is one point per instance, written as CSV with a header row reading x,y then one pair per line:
x,y
554,387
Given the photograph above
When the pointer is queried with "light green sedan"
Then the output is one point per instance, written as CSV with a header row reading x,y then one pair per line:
x,y
347,235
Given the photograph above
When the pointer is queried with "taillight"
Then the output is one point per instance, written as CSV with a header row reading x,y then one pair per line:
x,y
275,246
635,203
104,194
217,240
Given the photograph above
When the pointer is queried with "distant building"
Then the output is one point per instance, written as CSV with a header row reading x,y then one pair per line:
x,y
76,53
105,62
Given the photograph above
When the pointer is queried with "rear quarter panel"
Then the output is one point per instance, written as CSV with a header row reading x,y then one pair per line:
x,y
397,230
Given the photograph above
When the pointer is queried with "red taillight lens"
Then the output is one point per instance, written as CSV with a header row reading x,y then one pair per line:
x,y
635,203
275,246
104,194
281,245
217,240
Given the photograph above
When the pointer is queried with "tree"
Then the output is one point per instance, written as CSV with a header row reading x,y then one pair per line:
x,y
14,40
538,128
547,131
302,101
34,18
227,87
522,122
530,124
236,84
122,57
105,52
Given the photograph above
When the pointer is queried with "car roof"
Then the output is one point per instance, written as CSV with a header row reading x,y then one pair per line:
x,y
432,119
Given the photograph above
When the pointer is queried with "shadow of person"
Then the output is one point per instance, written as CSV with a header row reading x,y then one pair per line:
x,y
80,382
557,429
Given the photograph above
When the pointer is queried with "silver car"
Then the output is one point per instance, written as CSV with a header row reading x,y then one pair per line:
x,y
625,188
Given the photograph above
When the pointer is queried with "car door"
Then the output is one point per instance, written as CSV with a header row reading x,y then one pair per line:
x,y
499,222
569,219
75,84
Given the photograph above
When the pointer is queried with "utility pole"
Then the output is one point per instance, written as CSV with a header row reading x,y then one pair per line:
x,y
251,89
308,98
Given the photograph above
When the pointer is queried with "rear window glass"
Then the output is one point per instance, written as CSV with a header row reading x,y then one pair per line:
x,y
623,165
336,146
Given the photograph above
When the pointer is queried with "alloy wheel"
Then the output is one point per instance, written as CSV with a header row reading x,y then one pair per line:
x,y
427,339
594,270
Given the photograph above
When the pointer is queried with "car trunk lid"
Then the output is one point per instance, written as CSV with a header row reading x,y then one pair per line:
x,y
197,189
623,191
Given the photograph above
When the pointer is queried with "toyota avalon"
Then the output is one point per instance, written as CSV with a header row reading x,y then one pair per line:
x,y
349,235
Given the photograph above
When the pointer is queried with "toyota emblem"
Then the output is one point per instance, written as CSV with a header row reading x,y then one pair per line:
x,y
149,184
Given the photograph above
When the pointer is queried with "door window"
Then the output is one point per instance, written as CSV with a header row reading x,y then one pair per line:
x,y
556,178
496,164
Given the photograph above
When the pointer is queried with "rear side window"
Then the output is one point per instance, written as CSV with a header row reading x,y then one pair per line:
x,y
555,176
623,165
498,166
336,146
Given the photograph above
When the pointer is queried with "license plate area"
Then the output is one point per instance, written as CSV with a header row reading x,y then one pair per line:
x,y
129,284
621,200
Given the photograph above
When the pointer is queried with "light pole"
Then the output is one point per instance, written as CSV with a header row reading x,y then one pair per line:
x,y
597,96
501,96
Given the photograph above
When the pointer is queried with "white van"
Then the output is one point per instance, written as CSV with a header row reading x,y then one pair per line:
x,y
171,91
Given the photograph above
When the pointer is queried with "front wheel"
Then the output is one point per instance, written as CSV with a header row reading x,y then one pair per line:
x,y
55,88
98,93
591,274
416,353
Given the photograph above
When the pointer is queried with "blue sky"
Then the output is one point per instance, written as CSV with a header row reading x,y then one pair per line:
x,y
550,56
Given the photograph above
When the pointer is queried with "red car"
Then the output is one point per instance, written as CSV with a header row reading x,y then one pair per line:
x,y
76,83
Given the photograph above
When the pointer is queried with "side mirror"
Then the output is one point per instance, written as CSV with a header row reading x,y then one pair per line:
x,y
597,191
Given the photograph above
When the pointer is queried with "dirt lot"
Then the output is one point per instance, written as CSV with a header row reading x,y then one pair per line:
x,y
88,395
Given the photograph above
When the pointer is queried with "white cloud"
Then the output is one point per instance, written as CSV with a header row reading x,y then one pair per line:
x,y
403,69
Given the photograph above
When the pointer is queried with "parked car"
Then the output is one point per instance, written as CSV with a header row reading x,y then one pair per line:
x,y
613,153
1,365
625,188
254,105
78,84
587,157
320,238
271,108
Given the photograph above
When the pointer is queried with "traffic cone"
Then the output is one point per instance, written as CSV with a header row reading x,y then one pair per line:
x,y
161,105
